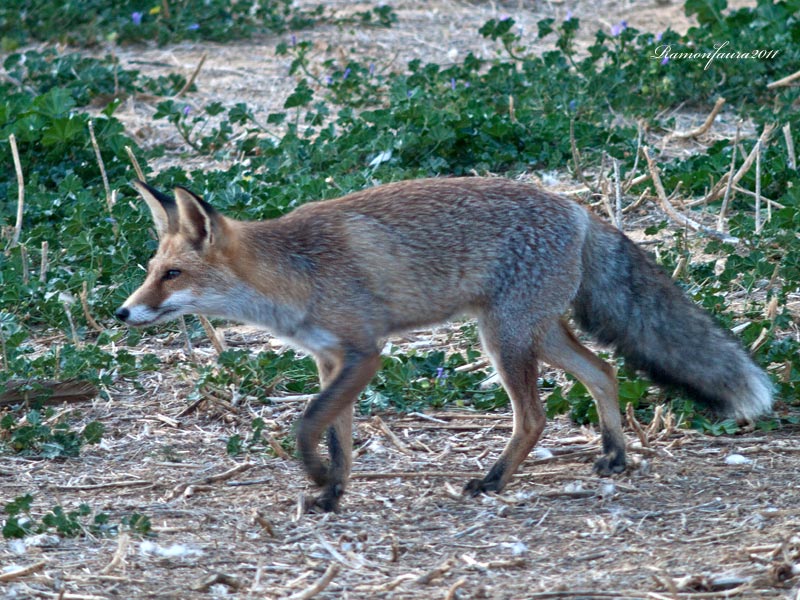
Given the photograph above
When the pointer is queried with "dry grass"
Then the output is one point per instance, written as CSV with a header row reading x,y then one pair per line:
x,y
680,523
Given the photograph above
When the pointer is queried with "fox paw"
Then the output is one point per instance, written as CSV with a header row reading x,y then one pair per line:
x,y
476,487
327,501
609,465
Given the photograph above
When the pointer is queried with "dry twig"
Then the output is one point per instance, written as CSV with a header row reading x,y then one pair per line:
x,y
398,443
191,79
319,585
119,555
20,190
101,164
698,131
636,426
670,211
784,81
12,575
88,315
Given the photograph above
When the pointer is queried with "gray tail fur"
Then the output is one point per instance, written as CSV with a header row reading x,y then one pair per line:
x,y
627,301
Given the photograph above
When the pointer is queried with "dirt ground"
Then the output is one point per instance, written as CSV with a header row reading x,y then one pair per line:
x,y
694,516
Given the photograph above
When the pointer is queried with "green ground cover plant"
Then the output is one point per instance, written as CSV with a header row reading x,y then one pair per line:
x,y
361,124
22,521
92,22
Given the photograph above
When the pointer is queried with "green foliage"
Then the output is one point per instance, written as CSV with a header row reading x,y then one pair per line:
x,y
414,382
258,376
255,440
32,436
21,522
90,22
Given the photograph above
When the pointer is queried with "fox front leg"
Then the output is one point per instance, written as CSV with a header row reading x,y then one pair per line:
x,y
332,411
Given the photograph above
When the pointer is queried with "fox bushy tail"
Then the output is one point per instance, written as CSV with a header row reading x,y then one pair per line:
x,y
627,301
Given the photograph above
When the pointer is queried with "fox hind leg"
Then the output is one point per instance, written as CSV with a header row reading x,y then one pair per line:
x,y
562,349
516,363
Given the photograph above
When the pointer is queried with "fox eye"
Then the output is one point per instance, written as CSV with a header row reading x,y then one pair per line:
x,y
170,274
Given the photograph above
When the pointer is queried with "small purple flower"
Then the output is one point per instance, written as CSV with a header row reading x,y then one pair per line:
x,y
136,18
440,374
408,94
665,60
619,28
569,15
453,83
346,73
329,80
186,110
504,17
573,104
371,69
193,27
294,40
658,36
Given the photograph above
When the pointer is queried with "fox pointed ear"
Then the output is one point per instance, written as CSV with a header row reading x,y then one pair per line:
x,y
162,207
196,217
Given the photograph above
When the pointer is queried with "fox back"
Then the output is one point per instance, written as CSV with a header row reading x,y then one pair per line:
x,y
367,265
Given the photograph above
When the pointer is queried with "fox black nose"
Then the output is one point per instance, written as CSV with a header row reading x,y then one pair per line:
x,y
123,313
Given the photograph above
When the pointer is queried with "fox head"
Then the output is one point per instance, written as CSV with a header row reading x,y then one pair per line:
x,y
188,273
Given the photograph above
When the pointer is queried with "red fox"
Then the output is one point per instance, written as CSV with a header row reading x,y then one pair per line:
x,y
337,277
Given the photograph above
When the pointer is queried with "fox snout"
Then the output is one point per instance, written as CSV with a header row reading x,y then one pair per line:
x,y
122,313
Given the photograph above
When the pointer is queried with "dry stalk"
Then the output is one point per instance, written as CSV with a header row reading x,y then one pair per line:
x,y
640,200
191,79
84,296
637,180
451,591
787,135
73,330
769,201
398,443
319,585
101,164
119,555
617,195
717,190
187,339
4,355
634,424
435,573
276,447
759,224
698,131
12,139
44,263
670,211
135,163
679,268
576,157
217,340
16,574
23,256
726,198
103,486
639,137
784,81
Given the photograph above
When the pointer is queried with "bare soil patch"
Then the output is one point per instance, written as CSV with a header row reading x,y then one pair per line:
x,y
685,521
